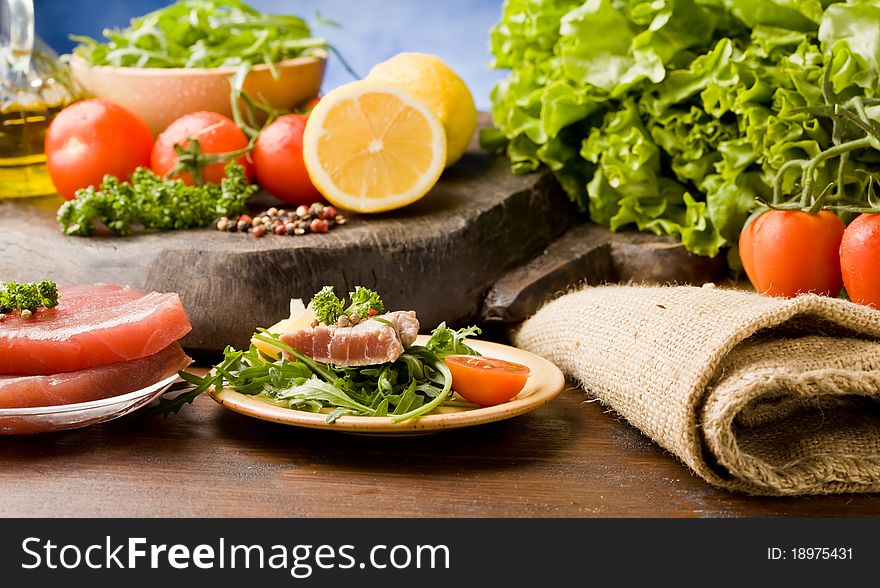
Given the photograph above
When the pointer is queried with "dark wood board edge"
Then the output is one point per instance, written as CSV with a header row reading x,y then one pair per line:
x,y
591,255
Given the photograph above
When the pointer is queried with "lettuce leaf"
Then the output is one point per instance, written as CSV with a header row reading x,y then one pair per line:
x,y
855,26
674,116
795,15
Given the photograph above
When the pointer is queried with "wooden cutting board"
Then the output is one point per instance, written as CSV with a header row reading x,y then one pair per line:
x,y
481,231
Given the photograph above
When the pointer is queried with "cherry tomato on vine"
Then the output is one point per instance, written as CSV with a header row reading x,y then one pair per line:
x,y
484,380
790,252
860,259
92,138
216,134
278,159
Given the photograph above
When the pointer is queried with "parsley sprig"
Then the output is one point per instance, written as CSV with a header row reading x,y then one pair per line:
x,y
150,203
27,296
329,307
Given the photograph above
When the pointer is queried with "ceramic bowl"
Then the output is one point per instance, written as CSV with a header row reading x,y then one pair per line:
x,y
161,95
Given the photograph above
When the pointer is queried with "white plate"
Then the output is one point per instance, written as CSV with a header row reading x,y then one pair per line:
x,y
45,419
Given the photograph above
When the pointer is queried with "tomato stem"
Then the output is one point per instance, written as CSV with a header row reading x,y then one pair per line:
x,y
854,209
819,202
780,205
868,124
193,160
840,191
808,201
813,165
777,183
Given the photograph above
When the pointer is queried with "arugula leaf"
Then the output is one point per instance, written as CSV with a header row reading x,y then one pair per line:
x,y
204,34
299,391
445,341
192,387
436,364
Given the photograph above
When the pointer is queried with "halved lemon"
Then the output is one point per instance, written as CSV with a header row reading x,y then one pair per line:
x,y
436,84
372,147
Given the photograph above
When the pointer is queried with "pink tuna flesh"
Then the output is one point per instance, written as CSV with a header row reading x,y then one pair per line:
x,y
370,342
92,325
92,383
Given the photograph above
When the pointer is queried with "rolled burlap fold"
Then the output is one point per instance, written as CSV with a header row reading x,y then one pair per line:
x,y
756,394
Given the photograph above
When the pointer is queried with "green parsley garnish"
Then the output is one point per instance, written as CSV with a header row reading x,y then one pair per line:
x,y
150,203
27,296
329,307
363,301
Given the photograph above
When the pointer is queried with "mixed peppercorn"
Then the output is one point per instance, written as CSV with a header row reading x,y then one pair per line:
x,y
317,218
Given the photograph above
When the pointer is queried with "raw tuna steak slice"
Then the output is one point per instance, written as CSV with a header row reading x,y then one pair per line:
x,y
92,326
368,343
93,383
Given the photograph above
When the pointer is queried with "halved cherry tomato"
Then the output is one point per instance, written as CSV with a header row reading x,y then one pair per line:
x,y
860,259
790,252
215,133
485,380
278,159
92,138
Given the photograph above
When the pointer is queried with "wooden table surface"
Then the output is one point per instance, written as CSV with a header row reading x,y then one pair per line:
x,y
567,459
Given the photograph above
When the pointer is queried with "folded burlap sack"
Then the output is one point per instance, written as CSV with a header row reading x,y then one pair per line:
x,y
756,394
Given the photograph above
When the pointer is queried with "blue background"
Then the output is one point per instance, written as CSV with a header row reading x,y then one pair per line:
x,y
372,30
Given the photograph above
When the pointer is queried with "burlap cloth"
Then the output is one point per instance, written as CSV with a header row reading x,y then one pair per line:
x,y
755,394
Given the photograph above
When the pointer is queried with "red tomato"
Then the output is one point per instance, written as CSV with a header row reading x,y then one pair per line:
x,y
860,259
92,138
789,252
484,380
278,160
309,105
215,133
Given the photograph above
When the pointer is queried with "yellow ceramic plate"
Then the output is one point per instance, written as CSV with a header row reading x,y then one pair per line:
x,y
544,384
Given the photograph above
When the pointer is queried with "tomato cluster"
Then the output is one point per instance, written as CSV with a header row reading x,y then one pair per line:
x,y
791,252
94,138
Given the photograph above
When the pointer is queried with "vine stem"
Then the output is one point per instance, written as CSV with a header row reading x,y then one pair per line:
x,y
819,203
840,192
777,183
813,165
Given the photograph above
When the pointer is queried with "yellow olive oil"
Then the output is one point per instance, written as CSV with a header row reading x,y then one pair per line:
x,y
23,170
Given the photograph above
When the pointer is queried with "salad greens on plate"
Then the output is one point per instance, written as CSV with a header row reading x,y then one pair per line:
x,y
414,384
675,116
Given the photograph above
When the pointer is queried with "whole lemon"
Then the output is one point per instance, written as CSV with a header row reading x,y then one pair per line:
x,y
433,82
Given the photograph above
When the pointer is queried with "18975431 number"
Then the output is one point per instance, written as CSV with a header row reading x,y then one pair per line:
x,y
809,553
